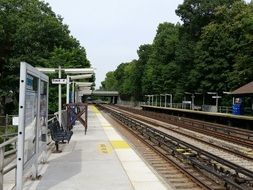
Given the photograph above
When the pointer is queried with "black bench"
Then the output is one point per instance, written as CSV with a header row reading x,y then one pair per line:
x,y
58,134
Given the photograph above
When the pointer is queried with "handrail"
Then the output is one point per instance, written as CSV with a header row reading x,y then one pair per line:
x,y
12,140
5,162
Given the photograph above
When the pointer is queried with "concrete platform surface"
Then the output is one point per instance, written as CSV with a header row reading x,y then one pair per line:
x,y
99,160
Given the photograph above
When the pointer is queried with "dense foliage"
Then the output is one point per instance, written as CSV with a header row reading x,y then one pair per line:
x,y
30,31
210,51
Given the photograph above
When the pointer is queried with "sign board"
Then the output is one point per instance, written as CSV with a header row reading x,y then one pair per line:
x,y
186,102
59,81
32,128
15,121
216,97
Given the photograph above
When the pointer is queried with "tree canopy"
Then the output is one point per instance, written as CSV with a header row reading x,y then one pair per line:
x,y
210,51
30,31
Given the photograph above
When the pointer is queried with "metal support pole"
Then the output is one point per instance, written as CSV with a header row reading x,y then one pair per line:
x,y
156,100
1,168
193,101
67,93
73,92
217,102
165,101
6,127
171,100
59,100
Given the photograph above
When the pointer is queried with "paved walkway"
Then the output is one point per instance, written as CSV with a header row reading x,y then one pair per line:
x,y
99,160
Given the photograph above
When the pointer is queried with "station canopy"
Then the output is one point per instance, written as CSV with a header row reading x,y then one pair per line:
x,y
245,90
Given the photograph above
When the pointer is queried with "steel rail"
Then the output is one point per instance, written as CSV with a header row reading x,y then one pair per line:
x,y
215,130
161,135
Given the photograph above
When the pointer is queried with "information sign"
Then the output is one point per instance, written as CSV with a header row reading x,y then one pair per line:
x,y
59,81
33,114
216,97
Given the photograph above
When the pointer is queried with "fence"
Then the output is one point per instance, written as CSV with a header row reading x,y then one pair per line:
x,y
8,146
7,157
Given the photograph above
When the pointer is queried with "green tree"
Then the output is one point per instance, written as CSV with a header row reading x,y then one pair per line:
x,y
30,31
224,53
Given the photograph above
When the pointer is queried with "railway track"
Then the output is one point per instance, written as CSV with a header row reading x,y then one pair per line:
x,y
224,168
170,169
231,134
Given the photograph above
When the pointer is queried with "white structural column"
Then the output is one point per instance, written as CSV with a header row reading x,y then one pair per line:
x,y
59,100
67,93
73,93
170,95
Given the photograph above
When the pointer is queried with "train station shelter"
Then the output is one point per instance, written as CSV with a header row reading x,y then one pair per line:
x,y
246,90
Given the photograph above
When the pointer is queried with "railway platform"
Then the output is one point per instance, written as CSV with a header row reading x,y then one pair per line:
x,y
99,160
239,121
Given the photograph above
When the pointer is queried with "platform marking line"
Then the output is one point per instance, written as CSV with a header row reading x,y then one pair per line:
x,y
119,144
94,109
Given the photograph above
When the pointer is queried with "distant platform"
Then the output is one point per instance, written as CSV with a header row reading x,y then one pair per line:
x,y
101,159
222,118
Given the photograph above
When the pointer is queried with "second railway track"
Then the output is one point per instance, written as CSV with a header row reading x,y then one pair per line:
x,y
216,166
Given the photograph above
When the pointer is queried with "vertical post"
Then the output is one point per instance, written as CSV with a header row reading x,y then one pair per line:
x,y
67,93
6,127
21,128
1,168
37,131
59,99
217,103
73,92
193,101
86,118
156,100
203,99
171,101
165,100
160,100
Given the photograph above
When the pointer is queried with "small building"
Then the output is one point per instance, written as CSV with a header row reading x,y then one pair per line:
x,y
244,92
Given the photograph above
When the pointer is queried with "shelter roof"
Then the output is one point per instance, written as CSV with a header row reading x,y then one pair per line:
x,y
247,89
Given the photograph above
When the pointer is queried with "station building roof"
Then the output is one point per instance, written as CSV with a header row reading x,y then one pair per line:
x,y
247,89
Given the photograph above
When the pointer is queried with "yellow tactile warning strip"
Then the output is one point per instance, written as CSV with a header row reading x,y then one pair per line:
x,y
94,109
138,172
121,144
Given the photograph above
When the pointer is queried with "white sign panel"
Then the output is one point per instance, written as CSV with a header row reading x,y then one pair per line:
x,y
59,81
33,114
15,121
216,96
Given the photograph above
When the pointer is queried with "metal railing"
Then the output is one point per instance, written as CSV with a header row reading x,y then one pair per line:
x,y
6,158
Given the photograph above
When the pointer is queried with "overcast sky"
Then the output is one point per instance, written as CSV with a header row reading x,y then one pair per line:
x,y
111,31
